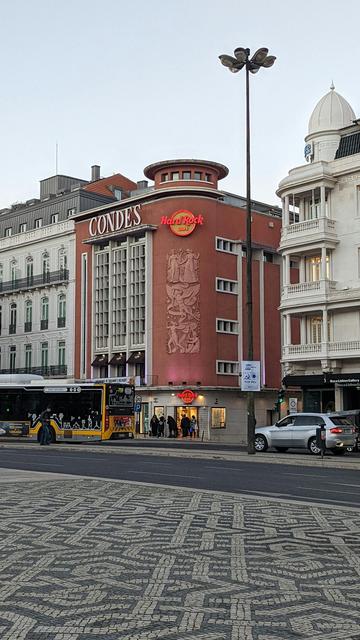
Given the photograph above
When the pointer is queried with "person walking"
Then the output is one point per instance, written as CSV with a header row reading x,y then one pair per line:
x,y
154,425
45,433
172,427
185,425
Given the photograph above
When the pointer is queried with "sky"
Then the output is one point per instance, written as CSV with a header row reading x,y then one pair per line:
x,y
124,84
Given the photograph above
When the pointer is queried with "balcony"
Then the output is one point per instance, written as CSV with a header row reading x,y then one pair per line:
x,y
59,370
308,231
61,322
307,293
12,329
44,324
34,282
322,351
27,327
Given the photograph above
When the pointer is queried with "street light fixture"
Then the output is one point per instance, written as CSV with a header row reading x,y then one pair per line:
x,y
234,64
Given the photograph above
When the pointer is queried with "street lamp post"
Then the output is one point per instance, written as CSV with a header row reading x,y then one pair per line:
x,y
252,65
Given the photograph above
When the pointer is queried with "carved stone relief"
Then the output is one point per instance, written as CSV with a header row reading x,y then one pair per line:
x,y
183,302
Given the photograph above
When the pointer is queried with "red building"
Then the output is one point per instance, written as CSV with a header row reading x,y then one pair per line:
x,y
161,296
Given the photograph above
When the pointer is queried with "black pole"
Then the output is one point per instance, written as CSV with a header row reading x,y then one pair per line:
x,y
249,304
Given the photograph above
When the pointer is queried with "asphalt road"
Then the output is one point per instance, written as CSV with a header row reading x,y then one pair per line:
x,y
324,485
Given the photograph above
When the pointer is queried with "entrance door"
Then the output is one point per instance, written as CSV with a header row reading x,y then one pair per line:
x,y
189,412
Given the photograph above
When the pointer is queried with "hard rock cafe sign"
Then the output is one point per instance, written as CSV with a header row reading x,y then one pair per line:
x,y
187,396
115,221
182,222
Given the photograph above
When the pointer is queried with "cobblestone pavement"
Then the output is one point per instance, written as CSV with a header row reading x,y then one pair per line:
x,y
86,559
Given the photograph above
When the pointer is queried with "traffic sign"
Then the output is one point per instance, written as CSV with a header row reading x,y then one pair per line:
x,y
138,399
137,408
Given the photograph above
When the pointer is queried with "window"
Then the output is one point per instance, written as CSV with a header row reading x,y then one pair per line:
x,y
197,175
175,175
13,312
315,329
44,321
28,356
314,268
226,326
12,362
8,232
61,310
13,272
61,353
22,227
226,286
38,223
28,316
228,246
218,417
71,212
208,177
29,271
268,257
46,267
54,218
227,367
62,260
44,354
285,422
117,194
186,175
164,177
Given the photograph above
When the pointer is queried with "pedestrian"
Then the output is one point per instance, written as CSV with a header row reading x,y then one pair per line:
x,y
161,427
172,427
154,425
45,433
194,427
185,425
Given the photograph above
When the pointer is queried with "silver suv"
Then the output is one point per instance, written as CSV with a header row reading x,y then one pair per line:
x,y
298,430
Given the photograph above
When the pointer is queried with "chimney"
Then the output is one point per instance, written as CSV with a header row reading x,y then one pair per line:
x,y
95,172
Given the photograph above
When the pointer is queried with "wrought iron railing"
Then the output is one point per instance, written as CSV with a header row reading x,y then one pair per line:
x,y
42,279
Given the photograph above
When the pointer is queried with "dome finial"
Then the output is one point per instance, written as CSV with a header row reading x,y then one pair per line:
x,y
332,87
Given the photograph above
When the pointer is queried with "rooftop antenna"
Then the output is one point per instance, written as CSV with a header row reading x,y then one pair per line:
x,y
56,158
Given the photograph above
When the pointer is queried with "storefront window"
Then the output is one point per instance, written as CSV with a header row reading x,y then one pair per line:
x,y
218,418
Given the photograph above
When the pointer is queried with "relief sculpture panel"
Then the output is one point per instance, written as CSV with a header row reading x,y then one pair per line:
x,y
183,302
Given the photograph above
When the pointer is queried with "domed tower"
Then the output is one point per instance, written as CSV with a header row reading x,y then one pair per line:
x,y
331,114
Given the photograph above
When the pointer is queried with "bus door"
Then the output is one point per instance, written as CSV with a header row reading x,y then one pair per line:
x,y
120,417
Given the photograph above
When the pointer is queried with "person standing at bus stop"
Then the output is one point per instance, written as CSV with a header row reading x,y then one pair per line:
x,y
45,434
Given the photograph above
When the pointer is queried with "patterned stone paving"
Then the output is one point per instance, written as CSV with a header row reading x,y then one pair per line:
x,y
91,560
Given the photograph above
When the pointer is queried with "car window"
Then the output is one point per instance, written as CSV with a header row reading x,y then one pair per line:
x,y
307,421
341,420
286,421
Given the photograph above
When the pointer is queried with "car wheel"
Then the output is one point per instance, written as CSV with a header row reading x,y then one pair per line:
x,y
313,448
350,449
260,443
281,449
338,452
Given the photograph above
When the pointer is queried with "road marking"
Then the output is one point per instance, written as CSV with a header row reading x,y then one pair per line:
x,y
169,475
354,493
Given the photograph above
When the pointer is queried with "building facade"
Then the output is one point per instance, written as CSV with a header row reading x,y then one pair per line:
x,y
37,272
320,247
160,280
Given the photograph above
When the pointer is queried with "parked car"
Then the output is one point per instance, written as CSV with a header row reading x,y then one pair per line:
x,y
354,416
298,430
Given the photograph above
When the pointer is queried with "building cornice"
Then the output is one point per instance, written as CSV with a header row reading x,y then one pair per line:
x,y
59,229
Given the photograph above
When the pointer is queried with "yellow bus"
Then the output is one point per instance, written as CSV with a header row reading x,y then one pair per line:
x,y
79,411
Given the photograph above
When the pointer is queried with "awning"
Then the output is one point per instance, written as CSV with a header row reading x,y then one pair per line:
x,y
118,358
136,357
100,360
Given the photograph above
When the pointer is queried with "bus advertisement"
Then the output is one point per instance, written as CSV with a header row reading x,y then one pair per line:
x,y
79,411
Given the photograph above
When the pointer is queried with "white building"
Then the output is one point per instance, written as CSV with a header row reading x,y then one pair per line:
x,y
320,245
37,275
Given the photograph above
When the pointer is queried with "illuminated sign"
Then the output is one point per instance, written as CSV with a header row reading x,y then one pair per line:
x,y
115,221
182,222
187,396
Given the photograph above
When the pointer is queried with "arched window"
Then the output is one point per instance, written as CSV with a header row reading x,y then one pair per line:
x,y
61,310
44,313
13,271
46,267
29,271
28,315
62,261
13,312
